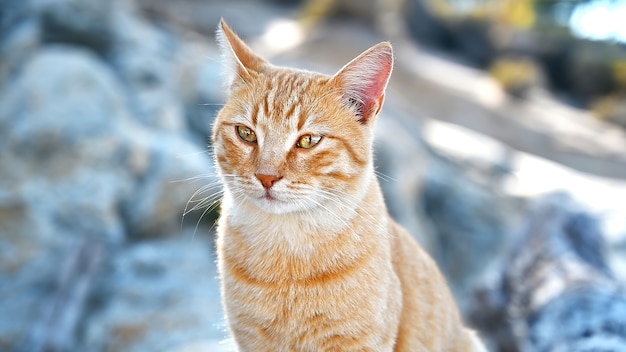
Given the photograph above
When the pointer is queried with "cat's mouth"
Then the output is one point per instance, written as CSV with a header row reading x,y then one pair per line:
x,y
272,202
269,196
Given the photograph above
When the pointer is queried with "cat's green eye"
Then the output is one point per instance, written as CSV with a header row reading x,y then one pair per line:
x,y
308,141
246,133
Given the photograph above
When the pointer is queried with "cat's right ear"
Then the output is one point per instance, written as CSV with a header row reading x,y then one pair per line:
x,y
239,61
364,80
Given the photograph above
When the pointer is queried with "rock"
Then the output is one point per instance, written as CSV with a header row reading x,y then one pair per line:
x,y
172,171
401,163
17,44
75,165
467,221
611,108
144,59
84,23
158,295
200,86
425,27
57,325
454,218
518,75
554,290
60,179
60,126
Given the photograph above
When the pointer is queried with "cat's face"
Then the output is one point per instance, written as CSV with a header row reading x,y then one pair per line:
x,y
286,143
289,141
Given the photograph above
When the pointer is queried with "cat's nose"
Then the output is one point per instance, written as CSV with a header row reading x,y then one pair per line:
x,y
268,180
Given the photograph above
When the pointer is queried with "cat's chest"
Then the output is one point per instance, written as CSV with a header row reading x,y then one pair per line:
x,y
269,271
310,311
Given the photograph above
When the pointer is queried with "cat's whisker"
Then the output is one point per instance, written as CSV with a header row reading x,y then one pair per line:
x,y
193,154
210,186
343,200
338,201
206,188
237,193
336,216
206,211
385,177
210,203
205,202
195,178
187,210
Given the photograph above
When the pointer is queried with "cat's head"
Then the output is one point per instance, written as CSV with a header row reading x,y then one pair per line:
x,y
290,140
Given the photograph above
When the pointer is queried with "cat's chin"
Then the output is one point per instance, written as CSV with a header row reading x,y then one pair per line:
x,y
272,205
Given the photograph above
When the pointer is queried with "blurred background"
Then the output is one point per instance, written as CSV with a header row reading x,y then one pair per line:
x,y
107,188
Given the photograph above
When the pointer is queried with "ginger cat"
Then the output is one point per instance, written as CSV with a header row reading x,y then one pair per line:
x,y
309,258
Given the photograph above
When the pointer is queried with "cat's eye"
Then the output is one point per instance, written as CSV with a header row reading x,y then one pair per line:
x,y
308,141
246,133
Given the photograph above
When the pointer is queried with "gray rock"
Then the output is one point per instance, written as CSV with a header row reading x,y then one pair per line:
x,y
59,132
60,181
144,59
17,44
554,290
455,219
76,166
84,23
171,171
200,86
402,163
158,295
469,224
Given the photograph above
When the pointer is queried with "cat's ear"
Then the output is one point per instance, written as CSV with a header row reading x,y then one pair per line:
x,y
238,59
364,80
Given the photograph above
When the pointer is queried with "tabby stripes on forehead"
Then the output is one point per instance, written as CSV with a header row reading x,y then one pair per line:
x,y
282,99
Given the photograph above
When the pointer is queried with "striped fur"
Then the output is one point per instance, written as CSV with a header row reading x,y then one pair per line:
x,y
312,261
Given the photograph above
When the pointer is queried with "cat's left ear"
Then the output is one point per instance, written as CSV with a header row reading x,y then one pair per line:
x,y
240,62
364,80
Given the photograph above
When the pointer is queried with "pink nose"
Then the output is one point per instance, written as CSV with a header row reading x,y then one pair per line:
x,y
268,180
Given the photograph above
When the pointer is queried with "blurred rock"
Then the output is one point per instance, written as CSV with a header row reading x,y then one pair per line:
x,y
518,76
162,190
469,222
85,23
590,70
456,219
57,181
200,87
63,141
56,326
579,69
425,27
554,291
402,163
17,44
611,108
144,58
75,164
156,296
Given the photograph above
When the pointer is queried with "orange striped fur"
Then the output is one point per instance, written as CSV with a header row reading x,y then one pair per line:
x,y
308,256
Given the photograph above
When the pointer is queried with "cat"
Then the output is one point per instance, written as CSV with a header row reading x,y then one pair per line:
x,y
308,257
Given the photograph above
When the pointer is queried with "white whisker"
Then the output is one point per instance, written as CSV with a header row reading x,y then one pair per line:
x,y
385,177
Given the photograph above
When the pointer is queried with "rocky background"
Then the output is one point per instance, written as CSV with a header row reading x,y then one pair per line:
x,y
107,185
